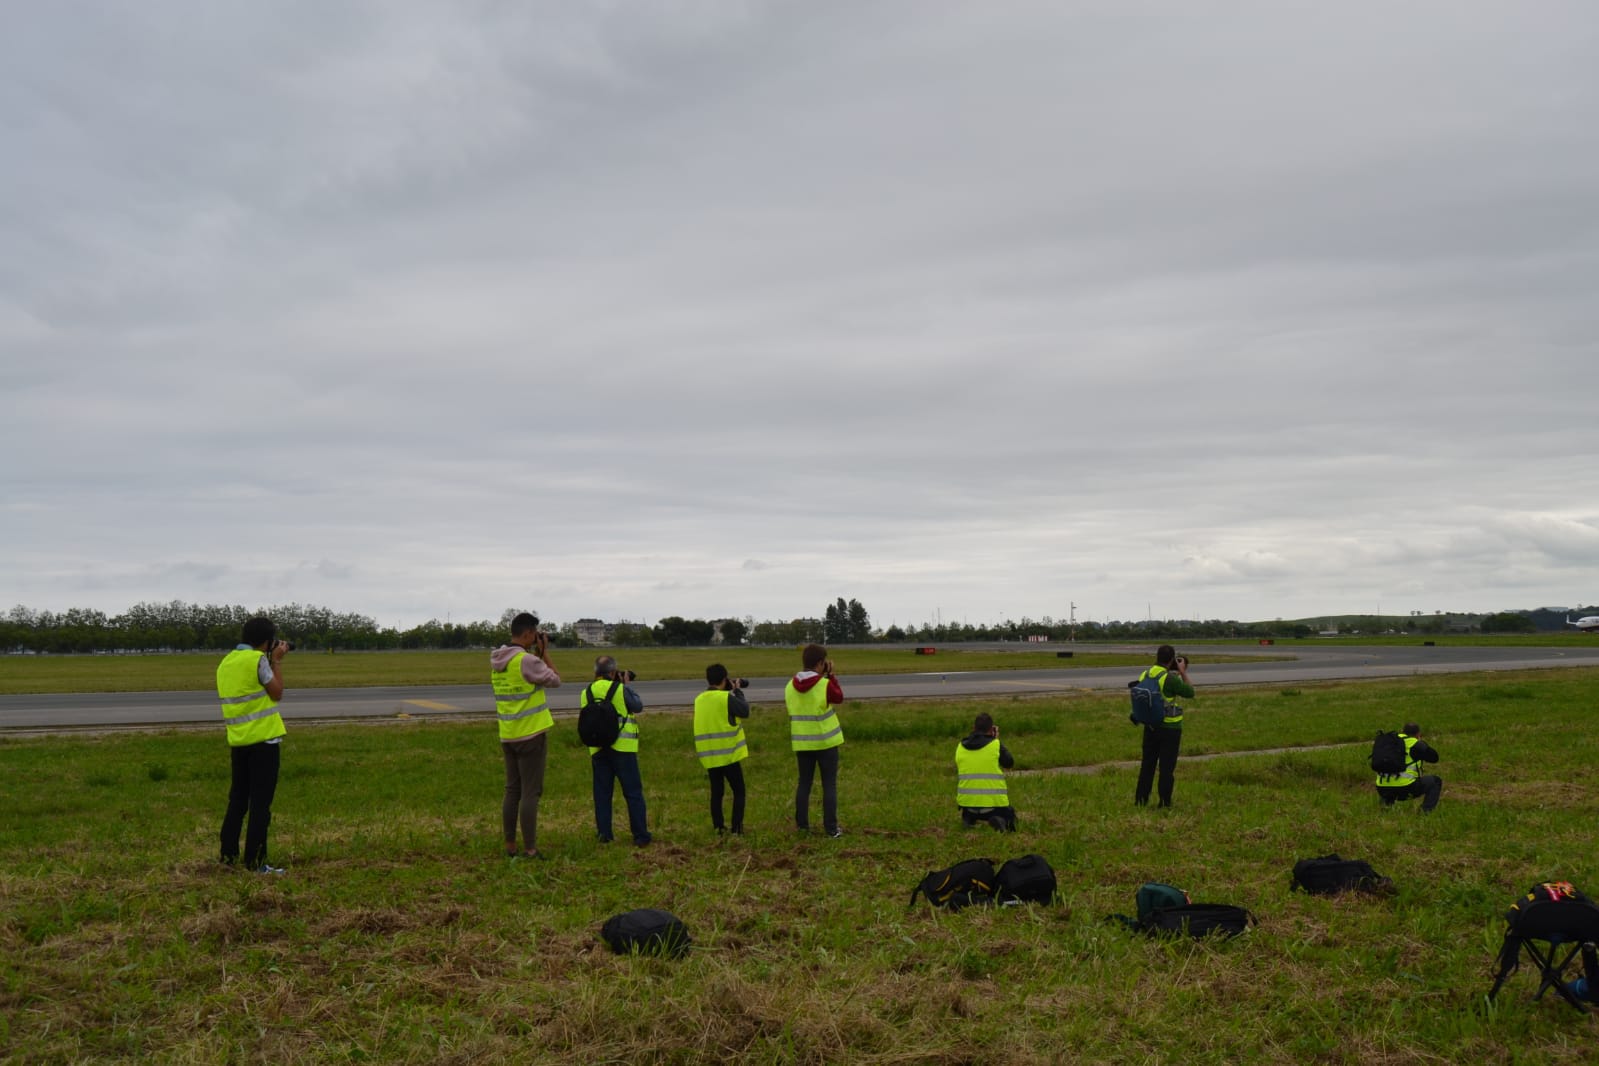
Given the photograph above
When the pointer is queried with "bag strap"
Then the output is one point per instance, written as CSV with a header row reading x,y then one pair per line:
x,y
609,693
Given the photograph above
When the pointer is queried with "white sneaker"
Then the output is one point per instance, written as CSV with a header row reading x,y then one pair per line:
x,y
265,869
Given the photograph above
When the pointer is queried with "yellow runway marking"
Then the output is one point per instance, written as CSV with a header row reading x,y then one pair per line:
x,y
433,705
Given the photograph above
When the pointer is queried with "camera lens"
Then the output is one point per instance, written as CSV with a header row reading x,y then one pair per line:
x,y
743,683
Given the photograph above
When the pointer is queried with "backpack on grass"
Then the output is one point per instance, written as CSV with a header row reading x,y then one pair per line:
x,y
1200,920
598,724
1167,909
965,883
1029,879
1149,703
1155,895
1330,875
1388,756
646,932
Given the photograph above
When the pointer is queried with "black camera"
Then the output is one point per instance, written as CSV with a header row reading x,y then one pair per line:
x,y
627,675
286,645
740,682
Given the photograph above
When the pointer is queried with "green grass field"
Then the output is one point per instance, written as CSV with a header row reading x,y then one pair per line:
x,y
399,934
195,672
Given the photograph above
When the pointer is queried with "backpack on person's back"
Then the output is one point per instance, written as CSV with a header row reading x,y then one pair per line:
x,y
1388,755
1149,703
598,724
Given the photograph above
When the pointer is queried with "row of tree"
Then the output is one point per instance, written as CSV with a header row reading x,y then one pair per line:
x,y
179,626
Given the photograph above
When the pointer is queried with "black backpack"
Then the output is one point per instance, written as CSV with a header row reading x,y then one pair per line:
x,y
1149,703
598,724
1330,875
1388,756
963,884
1029,879
646,932
1199,920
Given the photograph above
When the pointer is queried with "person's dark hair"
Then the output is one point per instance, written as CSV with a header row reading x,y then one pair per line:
x,y
604,666
984,723
258,631
812,656
715,674
524,624
1165,655
1411,729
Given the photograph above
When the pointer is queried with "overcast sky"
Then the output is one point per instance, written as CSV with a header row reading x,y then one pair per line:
x,y
971,310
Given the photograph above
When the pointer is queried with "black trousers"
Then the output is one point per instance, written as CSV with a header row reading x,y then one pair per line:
x,y
809,762
731,776
255,782
1000,818
1160,750
1428,786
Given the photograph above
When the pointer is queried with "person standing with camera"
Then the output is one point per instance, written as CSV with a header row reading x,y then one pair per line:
x,y
816,736
720,743
1162,742
520,672
250,684
618,763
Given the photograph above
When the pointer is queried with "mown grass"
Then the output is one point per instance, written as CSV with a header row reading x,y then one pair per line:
x,y
400,935
197,672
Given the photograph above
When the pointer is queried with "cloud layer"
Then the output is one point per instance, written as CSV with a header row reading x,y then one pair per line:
x,y
734,308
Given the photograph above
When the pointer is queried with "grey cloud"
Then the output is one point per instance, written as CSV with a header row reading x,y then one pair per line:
x,y
1271,312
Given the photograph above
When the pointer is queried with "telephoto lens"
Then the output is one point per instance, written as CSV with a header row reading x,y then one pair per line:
x,y
627,675
741,682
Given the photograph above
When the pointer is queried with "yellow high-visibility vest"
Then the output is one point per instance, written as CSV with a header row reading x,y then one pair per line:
x,y
979,780
519,705
717,742
812,724
250,715
1174,713
628,739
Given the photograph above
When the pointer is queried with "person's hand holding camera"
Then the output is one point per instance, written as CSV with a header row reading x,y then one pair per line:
x,y
280,648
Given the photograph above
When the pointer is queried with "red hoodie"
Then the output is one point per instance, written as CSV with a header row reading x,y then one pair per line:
x,y
806,680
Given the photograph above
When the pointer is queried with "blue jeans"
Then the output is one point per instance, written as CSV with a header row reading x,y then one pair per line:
x,y
611,767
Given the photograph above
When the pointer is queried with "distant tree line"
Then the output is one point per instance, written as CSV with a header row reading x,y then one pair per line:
x,y
179,626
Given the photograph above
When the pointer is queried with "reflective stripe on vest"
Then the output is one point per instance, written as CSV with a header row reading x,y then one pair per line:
x,y
716,742
811,722
979,781
627,740
251,716
1406,777
519,705
1174,713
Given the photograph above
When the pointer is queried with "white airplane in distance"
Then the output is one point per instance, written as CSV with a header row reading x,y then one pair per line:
x,y
1587,624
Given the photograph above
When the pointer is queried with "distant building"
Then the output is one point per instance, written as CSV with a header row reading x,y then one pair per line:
x,y
592,631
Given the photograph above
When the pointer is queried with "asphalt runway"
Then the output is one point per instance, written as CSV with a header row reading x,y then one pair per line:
x,y
108,711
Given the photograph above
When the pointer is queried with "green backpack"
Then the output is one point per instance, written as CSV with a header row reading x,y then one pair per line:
x,y
1154,896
